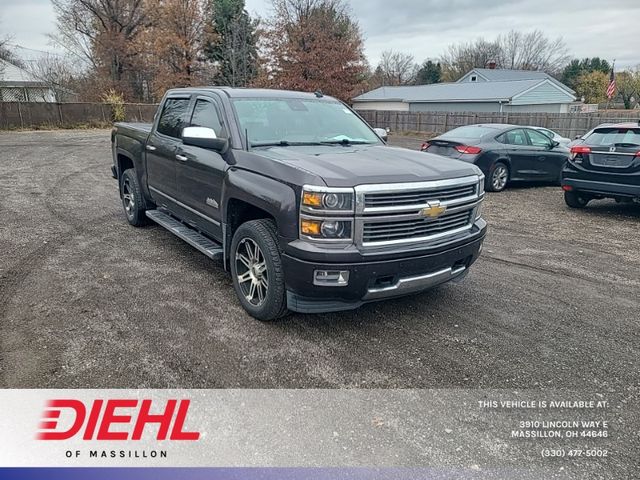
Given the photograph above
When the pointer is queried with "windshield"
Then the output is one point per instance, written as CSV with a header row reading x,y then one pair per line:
x,y
287,121
615,136
471,132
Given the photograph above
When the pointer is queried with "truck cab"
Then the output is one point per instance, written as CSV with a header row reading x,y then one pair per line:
x,y
303,203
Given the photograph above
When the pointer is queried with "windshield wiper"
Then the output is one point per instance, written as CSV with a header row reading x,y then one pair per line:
x,y
283,143
346,141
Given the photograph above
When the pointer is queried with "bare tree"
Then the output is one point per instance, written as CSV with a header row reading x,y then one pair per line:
x,y
462,57
532,51
395,68
514,50
57,73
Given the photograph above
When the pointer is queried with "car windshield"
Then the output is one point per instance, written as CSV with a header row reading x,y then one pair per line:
x,y
469,132
615,136
293,121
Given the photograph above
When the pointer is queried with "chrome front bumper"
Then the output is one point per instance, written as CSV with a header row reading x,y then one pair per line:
x,y
408,285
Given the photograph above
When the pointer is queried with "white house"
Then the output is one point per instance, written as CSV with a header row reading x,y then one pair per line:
x,y
480,90
18,85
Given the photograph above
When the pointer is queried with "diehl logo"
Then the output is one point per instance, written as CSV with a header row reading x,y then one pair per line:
x,y
136,414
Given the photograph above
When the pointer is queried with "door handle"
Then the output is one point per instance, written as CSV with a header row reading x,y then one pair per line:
x,y
151,148
182,158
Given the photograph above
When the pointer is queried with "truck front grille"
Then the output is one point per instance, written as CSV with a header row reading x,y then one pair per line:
x,y
392,199
411,229
392,214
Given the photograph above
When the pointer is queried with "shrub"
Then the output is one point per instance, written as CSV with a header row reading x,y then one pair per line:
x,y
116,101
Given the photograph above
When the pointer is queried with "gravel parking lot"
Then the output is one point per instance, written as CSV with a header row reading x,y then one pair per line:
x,y
88,301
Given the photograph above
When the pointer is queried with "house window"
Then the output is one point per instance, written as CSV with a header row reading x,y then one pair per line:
x,y
474,78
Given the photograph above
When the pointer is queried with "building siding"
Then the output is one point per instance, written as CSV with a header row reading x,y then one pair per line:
x,y
543,94
455,107
388,106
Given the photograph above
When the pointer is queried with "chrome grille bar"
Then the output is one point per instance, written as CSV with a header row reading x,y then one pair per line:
x,y
390,214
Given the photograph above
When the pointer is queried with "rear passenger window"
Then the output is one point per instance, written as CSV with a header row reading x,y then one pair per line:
x,y
173,117
514,137
205,114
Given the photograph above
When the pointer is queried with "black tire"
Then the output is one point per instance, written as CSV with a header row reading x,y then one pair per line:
x,y
268,302
132,199
501,170
576,199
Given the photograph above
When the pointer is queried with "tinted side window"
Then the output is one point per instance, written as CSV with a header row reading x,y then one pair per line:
x,y
173,117
205,114
538,139
515,137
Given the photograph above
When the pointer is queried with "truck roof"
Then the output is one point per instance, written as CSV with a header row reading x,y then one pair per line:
x,y
240,92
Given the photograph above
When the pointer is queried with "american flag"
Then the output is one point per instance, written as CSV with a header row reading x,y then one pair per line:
x,y
611,89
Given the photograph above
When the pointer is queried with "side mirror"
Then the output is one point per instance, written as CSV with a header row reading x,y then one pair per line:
x,y
382,133
204,137
577,137
554,144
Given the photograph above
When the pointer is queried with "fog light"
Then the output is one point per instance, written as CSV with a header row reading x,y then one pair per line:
x,y
331,278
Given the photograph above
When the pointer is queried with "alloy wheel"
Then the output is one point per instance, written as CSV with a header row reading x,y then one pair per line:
x,y
499,178
128,198
251,271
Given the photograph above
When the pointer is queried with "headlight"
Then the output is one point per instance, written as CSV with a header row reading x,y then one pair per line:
x,y
323,199
481,185
327,229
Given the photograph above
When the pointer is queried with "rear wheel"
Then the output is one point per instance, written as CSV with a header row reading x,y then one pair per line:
x,y
498,177
576,199
256,269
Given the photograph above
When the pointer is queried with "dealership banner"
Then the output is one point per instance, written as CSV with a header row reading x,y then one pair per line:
x,y
288,434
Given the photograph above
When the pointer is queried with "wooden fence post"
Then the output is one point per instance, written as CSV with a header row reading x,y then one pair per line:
x,y
20,115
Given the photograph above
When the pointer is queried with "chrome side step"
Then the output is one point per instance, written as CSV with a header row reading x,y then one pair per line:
x,y
205,245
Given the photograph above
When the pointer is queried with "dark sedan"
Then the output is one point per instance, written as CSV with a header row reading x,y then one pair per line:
x,y
504,153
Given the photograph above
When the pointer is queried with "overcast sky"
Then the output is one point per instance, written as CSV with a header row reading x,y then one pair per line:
x,y
423,28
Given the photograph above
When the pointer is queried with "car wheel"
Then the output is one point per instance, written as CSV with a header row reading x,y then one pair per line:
x,y
132,200
498,177
576,199
256,269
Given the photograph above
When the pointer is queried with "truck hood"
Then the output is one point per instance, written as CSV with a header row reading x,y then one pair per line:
x,y
348,166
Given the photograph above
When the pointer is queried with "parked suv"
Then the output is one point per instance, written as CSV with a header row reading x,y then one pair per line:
x,y
605,165
303,202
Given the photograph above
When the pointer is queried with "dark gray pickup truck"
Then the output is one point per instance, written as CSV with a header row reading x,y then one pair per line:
x,y
300,199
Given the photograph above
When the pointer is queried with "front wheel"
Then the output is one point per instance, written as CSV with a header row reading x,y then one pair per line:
x,y
498,177
576,199
256,269
132,200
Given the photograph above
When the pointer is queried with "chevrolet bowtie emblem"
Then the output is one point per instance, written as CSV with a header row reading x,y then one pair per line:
x,y
434,210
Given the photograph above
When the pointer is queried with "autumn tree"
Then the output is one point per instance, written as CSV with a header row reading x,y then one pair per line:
x,y
233,50
593,87
103,33
628,87
172,45
395,68
313,45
